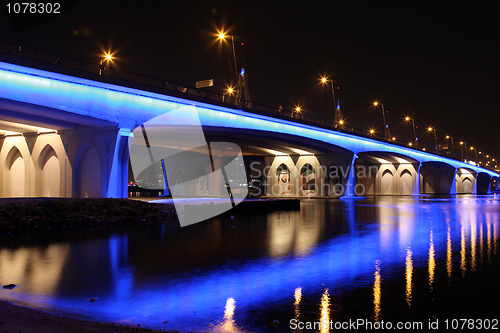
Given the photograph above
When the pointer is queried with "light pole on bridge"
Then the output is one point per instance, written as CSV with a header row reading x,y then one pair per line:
x,y
337,121
475,151
408,118
107,57
462,144
431,129
387,132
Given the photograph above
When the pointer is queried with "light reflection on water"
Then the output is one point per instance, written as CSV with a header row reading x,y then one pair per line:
x,y
256,272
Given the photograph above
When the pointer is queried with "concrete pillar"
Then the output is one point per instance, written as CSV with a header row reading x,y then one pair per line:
x,y
453,189
416,187
119,155
350,187
474,188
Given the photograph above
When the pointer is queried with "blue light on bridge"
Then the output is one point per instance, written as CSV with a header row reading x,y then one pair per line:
x,y
129,107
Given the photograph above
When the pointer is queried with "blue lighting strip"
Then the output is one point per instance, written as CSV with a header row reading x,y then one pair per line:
x,y
129,107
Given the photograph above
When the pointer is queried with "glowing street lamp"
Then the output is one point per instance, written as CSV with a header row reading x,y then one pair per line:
x,y
229,91
475,150
371,131
222,36
297,111
408,118
337,114
462,144
106,57
386,126
430,129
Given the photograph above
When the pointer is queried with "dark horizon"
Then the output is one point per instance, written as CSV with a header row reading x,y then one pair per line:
x,y
433,63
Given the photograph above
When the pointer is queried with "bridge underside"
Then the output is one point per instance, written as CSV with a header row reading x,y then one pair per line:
x,y
59,154
66,155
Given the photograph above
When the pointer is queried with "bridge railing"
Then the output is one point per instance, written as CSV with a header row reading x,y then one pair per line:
x,y
100,72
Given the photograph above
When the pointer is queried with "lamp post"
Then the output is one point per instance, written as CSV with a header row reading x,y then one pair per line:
x,y
107,57
408,118
462,143
448,137
475,151
297,111
222,36
430,129
386,126
229,92
337,113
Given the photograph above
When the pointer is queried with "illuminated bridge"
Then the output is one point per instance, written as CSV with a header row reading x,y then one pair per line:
x,y
68,136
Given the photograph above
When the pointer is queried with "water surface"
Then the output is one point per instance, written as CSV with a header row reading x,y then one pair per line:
x,y
385,258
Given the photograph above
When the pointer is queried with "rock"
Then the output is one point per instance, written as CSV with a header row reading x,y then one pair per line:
x,y
9,286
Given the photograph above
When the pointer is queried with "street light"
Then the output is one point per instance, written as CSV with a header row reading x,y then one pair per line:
x,y
448,137
430,129
462,143
371,131
474,148
106,57
337,114
229,91
222,36
297,110
408,118
386,126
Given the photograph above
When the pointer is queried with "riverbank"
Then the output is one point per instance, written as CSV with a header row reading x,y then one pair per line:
x,y
19,319
42,220
32,220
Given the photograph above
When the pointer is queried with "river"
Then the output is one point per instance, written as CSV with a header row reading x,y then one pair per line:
x,y
391,260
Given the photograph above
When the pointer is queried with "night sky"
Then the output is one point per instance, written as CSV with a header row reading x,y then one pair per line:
x,y
439,64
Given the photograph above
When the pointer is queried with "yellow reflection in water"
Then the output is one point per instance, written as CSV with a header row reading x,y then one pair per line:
x,y
432,261
463,252
41,270
377,293
488,235
228,325
473,232
325,312
481,240
298,297
409,273
495,235
449,262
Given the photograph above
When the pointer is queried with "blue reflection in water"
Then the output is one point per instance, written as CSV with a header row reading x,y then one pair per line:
x,y
302,256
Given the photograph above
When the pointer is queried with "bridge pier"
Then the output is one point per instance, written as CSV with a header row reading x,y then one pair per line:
x,y
85,163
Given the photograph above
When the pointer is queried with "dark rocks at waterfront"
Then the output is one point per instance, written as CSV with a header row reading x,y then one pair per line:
x,y
24,217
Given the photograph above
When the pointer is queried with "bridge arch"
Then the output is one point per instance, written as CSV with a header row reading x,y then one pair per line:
x,y
48,170
16,167
384,173
465,179
282,172
15,179
483,183
436,178
311,175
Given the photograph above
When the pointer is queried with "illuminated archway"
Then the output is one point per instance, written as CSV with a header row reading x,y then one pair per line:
x,y
16,174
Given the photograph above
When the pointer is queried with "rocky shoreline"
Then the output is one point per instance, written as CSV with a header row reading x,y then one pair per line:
x,y
29,220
